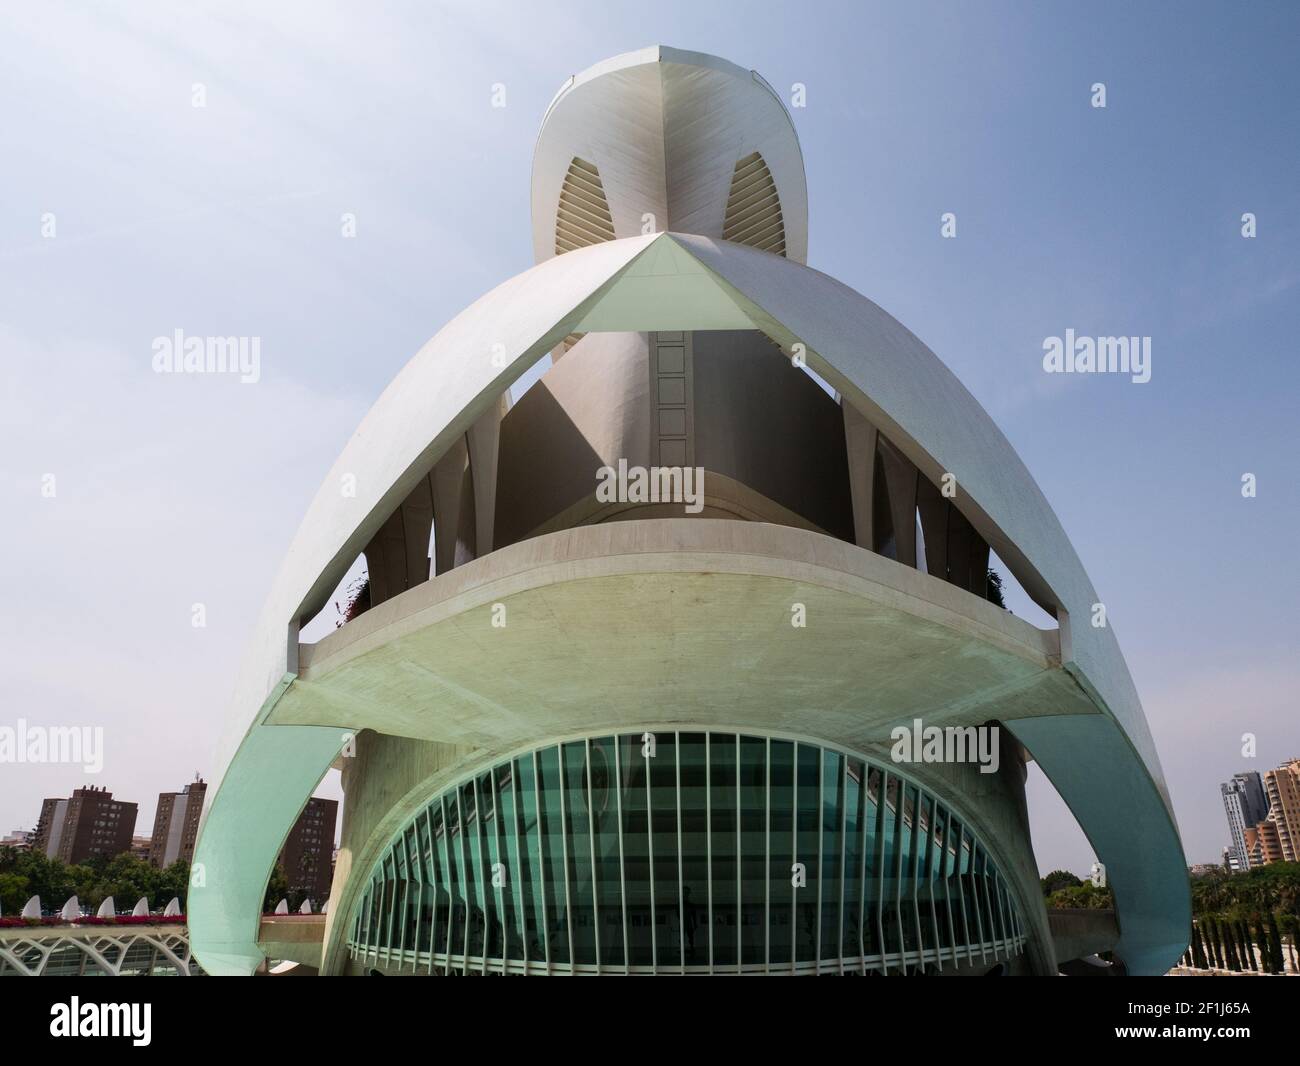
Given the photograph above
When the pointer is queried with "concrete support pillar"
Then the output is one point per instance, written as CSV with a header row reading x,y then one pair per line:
x,y
447,478
960,546
397,557
860,441
934,526
901,477
484,441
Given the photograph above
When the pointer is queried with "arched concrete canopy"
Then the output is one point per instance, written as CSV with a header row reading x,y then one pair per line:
x,y
1104,765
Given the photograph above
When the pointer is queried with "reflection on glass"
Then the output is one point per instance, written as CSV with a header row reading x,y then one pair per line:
x,y
685,851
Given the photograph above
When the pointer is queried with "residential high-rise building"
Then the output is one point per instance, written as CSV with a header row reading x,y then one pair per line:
x,y
1283,789
638,640
1262,844
1245,804
89,822
307,856
176,824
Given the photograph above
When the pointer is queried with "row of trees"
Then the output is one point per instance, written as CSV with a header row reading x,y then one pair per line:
x,y
1242,946
1243,922
1275,887
25,873
1246,922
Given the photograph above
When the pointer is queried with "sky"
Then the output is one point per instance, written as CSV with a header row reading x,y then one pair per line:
x,y
127,212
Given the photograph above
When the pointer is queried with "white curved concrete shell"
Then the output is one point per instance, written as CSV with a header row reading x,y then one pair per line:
x,y
665,129
1066,695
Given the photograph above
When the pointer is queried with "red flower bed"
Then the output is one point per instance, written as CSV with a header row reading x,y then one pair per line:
x,y
121,919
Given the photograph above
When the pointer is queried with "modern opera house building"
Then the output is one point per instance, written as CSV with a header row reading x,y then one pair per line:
x,y
588,728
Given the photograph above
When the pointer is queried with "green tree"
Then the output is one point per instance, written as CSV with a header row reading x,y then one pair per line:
x,y
277,888
1274,943
125,878
1291,930
13,894
1234,955
1198,947
995,596
173,883
1083,896
1059,879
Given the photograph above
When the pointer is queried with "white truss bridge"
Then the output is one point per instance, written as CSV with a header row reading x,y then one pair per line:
x,y
97,950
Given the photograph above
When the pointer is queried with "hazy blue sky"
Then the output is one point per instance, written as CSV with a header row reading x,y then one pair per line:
x,y
224,220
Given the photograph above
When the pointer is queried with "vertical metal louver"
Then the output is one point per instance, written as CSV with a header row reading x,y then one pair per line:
x,y
754,208
583,216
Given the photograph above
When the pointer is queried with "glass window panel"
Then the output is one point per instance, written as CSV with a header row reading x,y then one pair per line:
x,y
893,832
455,879
832,884
939,878
980,884
663,827
808,841
487,835
557,915
754,855
512,893
781,846
907,869
605,797
695,847
851,944
582,906
412,895
872,853
725,837
956,891
532,873
926,858
638,868
471,873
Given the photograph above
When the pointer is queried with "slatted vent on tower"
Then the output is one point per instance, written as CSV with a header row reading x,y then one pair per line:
x,y
583,217
754,208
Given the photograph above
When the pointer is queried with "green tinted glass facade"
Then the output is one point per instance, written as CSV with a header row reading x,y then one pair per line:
x,y
685,852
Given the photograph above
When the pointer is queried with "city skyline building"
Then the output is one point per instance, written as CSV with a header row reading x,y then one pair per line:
x,y
176,824
1245,805
1263,845
307,856
621,690
1282,786
88,823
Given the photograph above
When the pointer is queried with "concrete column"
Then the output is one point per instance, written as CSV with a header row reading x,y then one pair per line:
x,y
397,557
484,442
860,441
901,478
934,526
448,475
